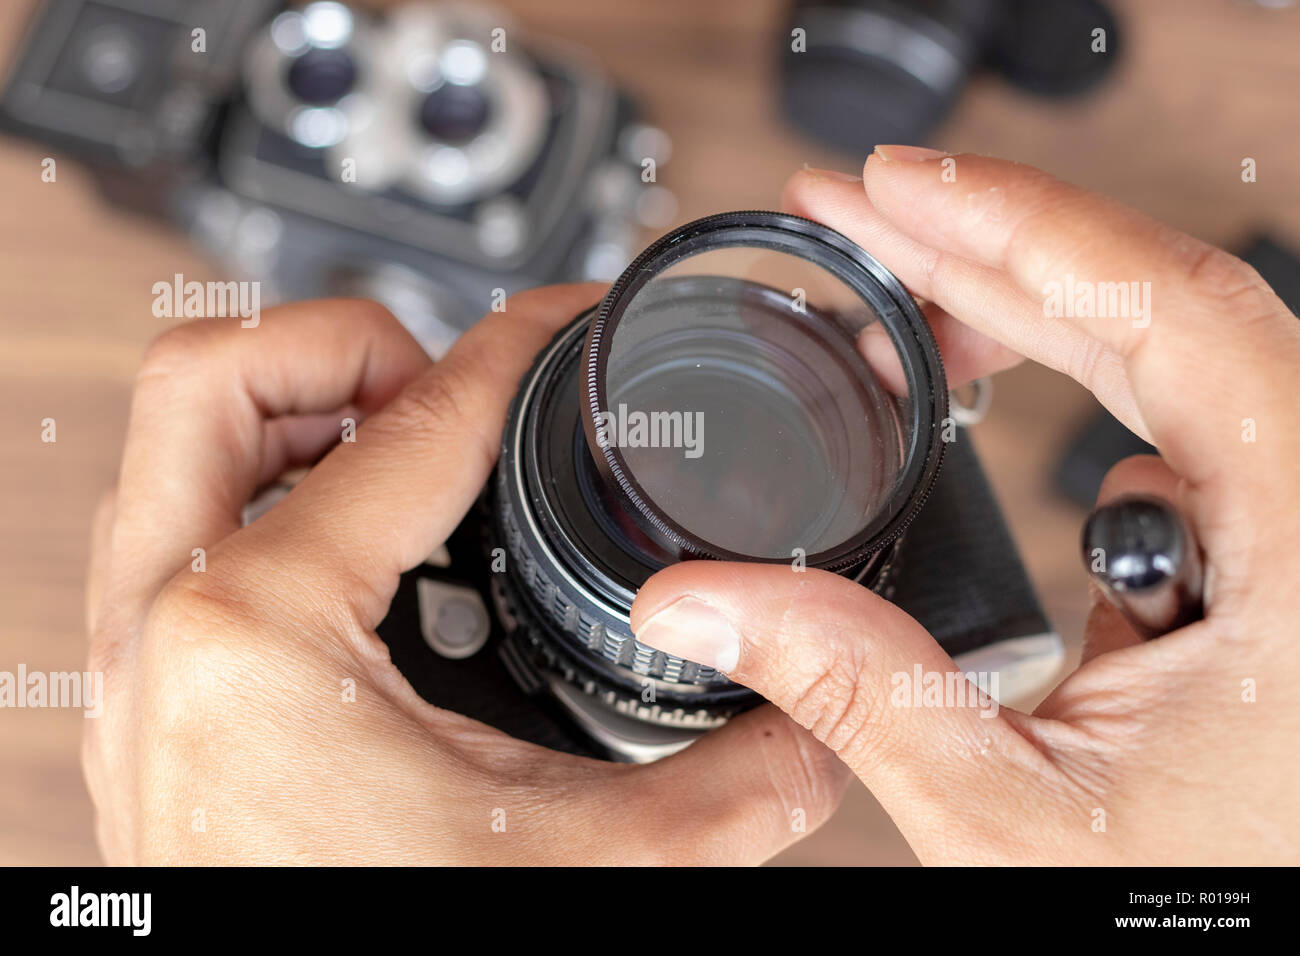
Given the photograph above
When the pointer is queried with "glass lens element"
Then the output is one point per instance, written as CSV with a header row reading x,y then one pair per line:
x,y
752,401
322,76
455,114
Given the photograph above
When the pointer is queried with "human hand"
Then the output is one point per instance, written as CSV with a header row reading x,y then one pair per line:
x,y
230,732
1163,743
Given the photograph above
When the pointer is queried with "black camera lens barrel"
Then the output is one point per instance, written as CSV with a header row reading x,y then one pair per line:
x,y
575,556
568,587
566,594
879,71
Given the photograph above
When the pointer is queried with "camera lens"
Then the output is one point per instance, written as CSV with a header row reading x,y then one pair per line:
x,y
322,76
880,71
754,387
454,113
112,59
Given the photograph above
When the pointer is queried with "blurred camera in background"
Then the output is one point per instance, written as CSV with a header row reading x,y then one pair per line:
x,y
430,157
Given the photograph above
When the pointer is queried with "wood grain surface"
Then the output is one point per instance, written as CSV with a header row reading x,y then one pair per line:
x,y
1204,84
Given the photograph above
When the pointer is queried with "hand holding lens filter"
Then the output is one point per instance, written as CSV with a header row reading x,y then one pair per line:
x,y
754,387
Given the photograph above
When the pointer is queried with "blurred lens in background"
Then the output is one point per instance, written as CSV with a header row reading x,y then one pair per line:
x,y
322,76
302,74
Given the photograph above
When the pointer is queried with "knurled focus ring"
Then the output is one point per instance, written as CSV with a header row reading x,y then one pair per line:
x,y
599,635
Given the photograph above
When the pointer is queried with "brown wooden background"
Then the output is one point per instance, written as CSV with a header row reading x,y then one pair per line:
x,y
1205,83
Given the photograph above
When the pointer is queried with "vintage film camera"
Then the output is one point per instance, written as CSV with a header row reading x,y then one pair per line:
x,y
425,156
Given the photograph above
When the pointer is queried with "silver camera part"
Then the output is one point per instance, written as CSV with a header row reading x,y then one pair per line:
x,y
374,128
540,219
123,108
428,48
294,34
453,620
296,258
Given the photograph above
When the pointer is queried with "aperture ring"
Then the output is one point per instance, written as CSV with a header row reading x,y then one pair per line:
x,y
603,635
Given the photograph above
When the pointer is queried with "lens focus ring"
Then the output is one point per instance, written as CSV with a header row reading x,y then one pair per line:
x,y
598,635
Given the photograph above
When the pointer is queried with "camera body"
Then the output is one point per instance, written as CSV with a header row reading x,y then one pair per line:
x,y
430,157
456,633
507,623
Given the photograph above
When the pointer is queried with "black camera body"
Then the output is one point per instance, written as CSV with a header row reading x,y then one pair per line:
x,y
430,157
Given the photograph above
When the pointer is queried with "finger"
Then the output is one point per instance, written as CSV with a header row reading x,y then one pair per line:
x,y
298,441
742,793
101,548
739,795
984,299
1107,629
196,441
967,355
1185,318
421,462
844,663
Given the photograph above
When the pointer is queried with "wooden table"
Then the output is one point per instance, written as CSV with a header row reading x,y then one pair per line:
x,y
1205,83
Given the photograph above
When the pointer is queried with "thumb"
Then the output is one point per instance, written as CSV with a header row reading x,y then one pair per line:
x,y
845,664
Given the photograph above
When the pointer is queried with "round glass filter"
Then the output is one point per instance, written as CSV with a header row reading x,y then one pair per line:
x,y
757,387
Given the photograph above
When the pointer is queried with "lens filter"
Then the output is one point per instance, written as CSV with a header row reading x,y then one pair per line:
x,y
757,387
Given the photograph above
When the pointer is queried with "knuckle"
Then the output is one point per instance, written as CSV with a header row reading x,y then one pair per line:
x,y
368,311
836,699
197,643
439,396
1221,277
1084,361
436,405
175,350
427,404
1043,205
1215,270
812,781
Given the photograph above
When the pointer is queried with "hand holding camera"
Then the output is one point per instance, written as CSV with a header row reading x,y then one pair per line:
x,y
265,667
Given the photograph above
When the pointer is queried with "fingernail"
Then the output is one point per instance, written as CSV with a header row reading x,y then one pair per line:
x,y
694,630
907,154
831,174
